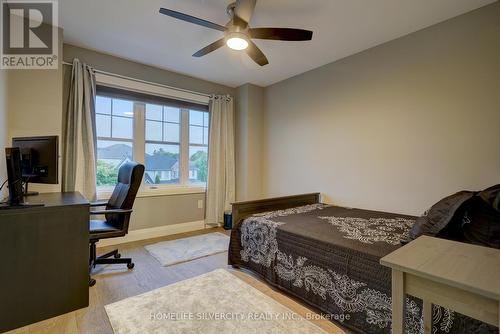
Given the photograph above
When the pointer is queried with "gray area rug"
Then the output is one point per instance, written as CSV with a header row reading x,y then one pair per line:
x,y
186,249
213,303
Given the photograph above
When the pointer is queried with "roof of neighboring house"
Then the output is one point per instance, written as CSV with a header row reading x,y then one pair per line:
x,y
116,151
159,162
154,162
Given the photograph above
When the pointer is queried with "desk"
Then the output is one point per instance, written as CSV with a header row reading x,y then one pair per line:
x,y
44,259
458,276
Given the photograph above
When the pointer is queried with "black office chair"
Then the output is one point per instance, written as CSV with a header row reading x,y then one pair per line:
x,y
117,216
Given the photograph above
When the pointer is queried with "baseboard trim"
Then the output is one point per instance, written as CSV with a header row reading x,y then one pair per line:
x,y
153,232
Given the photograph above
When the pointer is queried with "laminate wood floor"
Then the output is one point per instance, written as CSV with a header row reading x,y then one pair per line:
x,y
115,282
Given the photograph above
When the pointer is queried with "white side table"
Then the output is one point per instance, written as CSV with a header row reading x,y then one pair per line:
x,y
455,275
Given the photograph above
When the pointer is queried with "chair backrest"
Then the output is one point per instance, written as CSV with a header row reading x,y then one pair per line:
x,y
123,197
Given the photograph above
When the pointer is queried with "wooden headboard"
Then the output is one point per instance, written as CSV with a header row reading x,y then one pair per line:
x,y
241,210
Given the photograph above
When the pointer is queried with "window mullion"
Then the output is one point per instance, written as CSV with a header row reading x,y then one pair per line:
x,y
111,120
184,147
139,132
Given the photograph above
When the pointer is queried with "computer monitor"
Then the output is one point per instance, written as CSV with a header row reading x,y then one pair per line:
x,y
39,159
15,181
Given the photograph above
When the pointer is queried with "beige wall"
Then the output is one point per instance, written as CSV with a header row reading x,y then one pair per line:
x,y
3,130
166,210
248,141
396,127
35,106
161,210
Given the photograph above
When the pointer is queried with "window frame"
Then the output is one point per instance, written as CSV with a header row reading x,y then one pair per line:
x,y
134,91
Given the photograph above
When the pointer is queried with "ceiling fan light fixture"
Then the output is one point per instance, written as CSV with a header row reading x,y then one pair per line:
x,y
238,35
237,41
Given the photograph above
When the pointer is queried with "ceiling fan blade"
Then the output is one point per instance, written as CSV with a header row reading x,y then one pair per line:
x,y
281,34
192,19
209,48
257,55
244,9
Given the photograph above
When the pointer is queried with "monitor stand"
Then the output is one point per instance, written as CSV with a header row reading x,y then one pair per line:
x,y
29,193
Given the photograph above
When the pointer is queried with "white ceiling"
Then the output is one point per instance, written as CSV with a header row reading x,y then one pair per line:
x,y
133,29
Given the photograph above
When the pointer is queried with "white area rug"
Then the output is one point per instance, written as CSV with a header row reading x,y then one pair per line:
x,y
213,303
186,249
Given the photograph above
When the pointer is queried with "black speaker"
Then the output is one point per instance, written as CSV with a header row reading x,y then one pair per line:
x,y
14,174
228,220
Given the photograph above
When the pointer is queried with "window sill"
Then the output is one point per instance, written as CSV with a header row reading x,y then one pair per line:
x,y
172,190
160,191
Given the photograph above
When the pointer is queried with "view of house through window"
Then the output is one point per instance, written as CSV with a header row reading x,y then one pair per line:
x,y
174,147
162,154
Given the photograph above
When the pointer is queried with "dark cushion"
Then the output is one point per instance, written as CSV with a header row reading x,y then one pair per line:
x,y
481,223
443,218
101,229
492,196
97,226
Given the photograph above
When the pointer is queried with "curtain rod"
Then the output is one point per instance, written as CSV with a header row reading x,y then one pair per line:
x,y
143,81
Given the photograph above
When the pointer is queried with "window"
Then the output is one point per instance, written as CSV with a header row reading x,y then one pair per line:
x,y
169,137
114,126
162,154
198,146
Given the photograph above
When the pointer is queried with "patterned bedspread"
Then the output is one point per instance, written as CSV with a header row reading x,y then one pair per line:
x,y
329,256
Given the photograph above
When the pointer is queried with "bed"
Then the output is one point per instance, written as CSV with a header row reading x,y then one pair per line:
x,y
328,256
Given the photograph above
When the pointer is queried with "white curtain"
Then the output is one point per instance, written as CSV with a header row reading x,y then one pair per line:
x,y
221,182
79,136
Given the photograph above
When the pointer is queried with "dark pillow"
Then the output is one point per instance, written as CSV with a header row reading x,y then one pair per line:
x,y
481,223
492,196
437,218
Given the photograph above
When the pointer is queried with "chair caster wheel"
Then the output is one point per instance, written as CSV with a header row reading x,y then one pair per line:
x,y
91,282
130,265
118,255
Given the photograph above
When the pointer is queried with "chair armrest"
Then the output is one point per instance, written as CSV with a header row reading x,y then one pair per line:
x,y
102,203
112,211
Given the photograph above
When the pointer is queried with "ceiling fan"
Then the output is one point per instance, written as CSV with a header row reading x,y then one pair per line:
x,y
238,35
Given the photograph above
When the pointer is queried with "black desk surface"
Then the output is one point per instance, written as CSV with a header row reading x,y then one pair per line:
x,y
57,199
52,200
